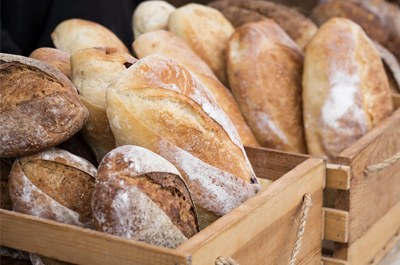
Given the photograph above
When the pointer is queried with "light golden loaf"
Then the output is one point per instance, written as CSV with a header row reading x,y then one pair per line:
x,y
139,195
264,70
296,25
166,44
206,31
345,88
93,69
40,107
74,34
151,15
56,58
160,105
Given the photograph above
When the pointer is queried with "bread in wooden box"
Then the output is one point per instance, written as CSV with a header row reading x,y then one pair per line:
x,y
151,15
392,67
92,71
264,70
206,31
345,88
296,25
169,45
160,105
56,58
40,106
378,18
139,195
41,260
74,34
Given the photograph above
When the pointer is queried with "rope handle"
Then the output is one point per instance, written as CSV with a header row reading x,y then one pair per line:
x,y
305,208
380,166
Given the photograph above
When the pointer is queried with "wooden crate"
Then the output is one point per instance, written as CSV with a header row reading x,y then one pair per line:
x,y
261,231
365,219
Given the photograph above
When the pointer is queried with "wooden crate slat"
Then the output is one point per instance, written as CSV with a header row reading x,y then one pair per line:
x,y
336,226
78,245
338,177
230,233
333,261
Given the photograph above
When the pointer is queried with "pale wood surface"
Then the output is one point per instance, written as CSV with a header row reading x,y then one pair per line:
x,y
338,177
266,219
78,245
333,261
336,227
393,256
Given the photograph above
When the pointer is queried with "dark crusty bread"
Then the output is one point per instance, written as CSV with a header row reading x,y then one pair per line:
x,y
39,106
56,58
140,195
296,25
54,185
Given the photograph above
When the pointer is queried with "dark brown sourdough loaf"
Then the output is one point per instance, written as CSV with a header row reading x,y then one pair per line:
x,y
160,105
39,106
140,195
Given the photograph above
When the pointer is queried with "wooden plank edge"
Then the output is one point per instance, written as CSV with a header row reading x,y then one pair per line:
x,y
338,176
336,225
79,245
386,249
333,261
366,249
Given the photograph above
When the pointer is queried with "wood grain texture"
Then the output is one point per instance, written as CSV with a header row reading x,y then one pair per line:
x,y
336,226
333,261
80,246
338,177
234,234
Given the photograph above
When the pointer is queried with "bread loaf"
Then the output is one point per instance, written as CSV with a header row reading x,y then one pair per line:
x,y
40,106
56,58
39,260
92,71
140,195
55,185
151,15
264,69
75,34
296,25
160,105
167,44
345,89
206,31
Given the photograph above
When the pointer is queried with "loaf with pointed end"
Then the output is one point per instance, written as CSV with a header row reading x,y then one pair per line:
x,y
74,34
265,69
151,15
54,185
40,107
206,31
139,195
169,45
56,58
296,25
161,105
92,71
345,88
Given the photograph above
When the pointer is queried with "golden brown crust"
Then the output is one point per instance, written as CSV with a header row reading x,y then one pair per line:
x,y
36,95
56,58
264,69
167,44
345,88
296,25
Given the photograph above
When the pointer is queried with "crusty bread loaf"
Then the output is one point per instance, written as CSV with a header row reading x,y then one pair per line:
x,y
140,195
39,260
297,26
39,106
378,18
151,15
206,31
345,89
55,185
92,71
169,45
74,34
160,105
264,70
56,58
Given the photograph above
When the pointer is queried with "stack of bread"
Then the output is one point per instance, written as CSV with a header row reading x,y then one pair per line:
x,y
168,127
